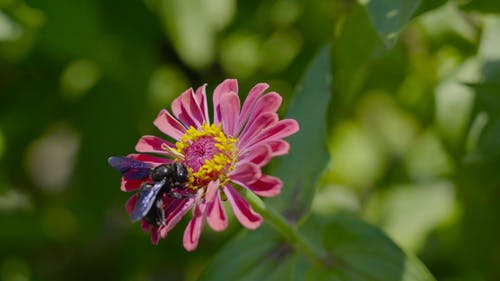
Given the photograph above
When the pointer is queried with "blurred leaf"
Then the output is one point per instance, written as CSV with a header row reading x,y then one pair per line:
x,y
240,54
390,16
220,12
487,90
249,256
456,30
363,160
309,108
487,97
428,159
192,34
399,210
359,252
428,5
483,6
488,47
454,102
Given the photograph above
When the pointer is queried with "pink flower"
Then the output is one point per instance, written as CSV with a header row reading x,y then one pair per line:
x,y
220,154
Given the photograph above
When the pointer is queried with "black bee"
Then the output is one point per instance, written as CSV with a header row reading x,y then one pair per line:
x,y
166,179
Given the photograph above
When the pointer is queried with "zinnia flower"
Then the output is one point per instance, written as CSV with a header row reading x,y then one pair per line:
x,y
222,155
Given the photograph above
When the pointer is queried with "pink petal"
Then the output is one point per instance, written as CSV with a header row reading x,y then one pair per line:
x,y
152,144
168,125
175,214
128,185
249,103
267,103
130,205
245,172
181,109
211,192
260,155
279,147
230,110
195,226
266,186
257,126
201,98
155,237
193,232
149,159
146,227
242,210
228,85
281,129
216,215
189,110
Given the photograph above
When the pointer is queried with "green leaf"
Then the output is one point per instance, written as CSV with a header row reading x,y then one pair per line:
x,y
353,56
301,168
250,256
359,252
390,16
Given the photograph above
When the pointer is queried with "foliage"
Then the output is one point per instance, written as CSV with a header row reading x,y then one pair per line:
x,y
396,159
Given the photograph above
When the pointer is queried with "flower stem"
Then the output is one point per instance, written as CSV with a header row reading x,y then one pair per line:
x,y
289,232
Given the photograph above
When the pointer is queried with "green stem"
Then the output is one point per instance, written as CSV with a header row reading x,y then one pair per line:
x,y
289,232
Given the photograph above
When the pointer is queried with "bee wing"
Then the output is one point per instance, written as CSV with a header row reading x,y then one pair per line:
x,y
146,199
130,168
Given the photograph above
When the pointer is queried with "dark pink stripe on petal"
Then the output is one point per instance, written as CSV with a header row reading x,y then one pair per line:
x,y
267,103
281,129
201,97
175,214
245,173
228,85
193,232
230,111
155,237
279,147
260,155
191,108
256,126
266,186
152,144
168,125
242,210
216,215
180,109
146,227
249,102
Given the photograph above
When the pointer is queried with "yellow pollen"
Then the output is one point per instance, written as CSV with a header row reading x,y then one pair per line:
x,y
221,162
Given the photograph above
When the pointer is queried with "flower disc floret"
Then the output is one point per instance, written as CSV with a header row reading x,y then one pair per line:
x,y
208,153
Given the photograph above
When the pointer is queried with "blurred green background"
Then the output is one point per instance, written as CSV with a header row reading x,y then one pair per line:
x,y
414,129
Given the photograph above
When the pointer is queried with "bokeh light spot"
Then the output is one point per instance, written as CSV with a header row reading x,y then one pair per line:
x,y
14,269
51,158
79,77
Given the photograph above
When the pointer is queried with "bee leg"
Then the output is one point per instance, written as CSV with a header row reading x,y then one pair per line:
x,y
160,213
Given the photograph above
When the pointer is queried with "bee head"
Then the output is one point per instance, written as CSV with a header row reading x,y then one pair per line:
x,y
162,172
181,173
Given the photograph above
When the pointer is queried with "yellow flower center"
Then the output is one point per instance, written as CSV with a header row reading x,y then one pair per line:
x,y
208,154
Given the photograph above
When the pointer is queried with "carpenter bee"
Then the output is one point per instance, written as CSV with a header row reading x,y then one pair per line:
x,y
166,179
